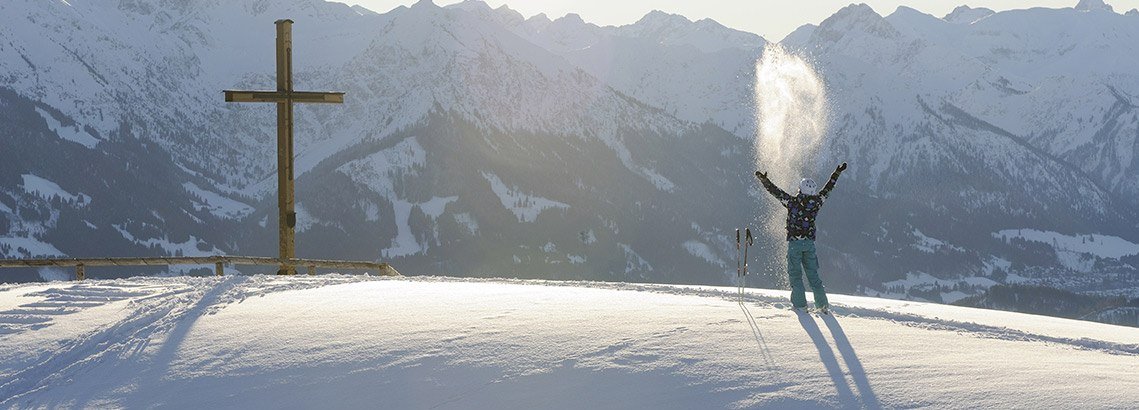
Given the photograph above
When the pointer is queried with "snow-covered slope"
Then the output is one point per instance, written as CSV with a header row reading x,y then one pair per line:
x,y
362,342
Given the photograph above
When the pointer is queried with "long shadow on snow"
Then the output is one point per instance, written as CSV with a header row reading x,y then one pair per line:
x,y
758,334
232,289
160,362
869,399
95,357
905,319
75,355
58,301
846,397
181,319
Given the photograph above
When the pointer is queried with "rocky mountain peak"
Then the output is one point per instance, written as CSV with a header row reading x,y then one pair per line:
x,y
657,18
571,18
674,29
509,15
856,18
1089,5
967,15
424,4
363,11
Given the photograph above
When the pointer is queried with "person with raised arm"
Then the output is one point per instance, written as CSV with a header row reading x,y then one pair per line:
x,y
802,208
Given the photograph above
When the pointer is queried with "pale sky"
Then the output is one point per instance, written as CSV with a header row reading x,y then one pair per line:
x,y
771,19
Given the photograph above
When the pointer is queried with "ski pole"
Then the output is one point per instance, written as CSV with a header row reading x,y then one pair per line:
x,y
739,277
747,244
738,252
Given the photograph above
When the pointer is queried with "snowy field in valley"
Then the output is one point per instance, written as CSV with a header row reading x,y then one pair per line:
x,y
434,343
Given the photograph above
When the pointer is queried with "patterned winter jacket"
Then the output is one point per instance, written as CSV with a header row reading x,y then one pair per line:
x,y
801,209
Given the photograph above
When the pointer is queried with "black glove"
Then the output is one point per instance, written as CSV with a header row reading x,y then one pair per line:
x,y
760,175
842,167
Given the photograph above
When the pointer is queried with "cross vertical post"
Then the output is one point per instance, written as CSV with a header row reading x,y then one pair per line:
x,y
284,97
287,216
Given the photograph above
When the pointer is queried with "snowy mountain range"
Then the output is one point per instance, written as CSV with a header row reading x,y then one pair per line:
x,y
475,141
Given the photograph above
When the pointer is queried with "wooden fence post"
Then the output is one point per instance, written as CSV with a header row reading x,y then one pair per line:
x,y
311,269
219,269
79,272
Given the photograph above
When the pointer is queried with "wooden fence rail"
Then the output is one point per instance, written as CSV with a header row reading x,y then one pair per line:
x,y
219,263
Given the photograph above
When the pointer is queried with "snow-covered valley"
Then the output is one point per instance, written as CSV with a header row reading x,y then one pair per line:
x,y
436,342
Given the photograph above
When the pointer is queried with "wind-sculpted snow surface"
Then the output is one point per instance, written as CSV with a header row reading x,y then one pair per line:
x,y
433,342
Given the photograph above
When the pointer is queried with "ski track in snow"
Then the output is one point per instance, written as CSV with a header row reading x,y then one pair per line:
x,y
154,309
119,337
154,316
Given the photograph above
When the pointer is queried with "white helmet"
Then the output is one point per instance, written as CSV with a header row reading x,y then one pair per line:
x,y
808,186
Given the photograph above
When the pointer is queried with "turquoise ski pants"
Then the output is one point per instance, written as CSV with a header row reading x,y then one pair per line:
x,y
800,256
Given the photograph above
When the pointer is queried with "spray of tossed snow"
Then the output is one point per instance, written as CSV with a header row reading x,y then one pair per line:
x,y
791,117
791,109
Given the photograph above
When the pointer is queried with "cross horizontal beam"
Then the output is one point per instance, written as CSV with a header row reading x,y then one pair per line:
x,y
284,96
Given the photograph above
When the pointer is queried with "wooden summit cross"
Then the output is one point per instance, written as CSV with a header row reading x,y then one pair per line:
x,y
284,97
